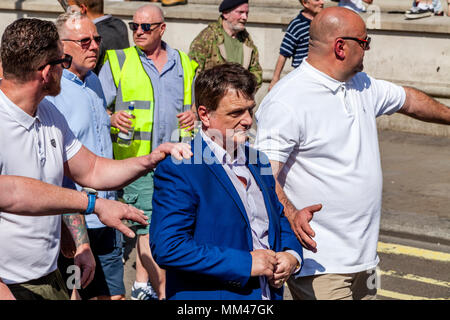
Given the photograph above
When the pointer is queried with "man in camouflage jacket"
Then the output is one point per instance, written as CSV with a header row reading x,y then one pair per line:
x,y
208,48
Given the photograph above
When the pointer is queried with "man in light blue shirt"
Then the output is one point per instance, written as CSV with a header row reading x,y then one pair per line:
x,y
83,104
170,108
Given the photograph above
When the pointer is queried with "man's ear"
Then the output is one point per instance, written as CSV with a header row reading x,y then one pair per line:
x,y
203,115
225,15
339,49
162,29
45,74
83,8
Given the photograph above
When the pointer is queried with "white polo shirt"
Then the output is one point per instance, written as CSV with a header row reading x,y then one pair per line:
x,y
325,132
34,147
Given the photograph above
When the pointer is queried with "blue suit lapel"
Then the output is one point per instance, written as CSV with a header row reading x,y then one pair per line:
x,y
268,204
213,164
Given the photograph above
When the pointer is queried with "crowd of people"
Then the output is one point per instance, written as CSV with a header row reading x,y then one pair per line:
x,y
215,217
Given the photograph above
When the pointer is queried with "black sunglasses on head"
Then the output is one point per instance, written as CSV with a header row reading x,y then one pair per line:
x,y
65,62
145,26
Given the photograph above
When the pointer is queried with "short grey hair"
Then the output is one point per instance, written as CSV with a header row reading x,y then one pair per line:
x,y
71,17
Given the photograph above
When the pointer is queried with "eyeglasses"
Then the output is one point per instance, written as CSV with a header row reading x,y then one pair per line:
x,y
364,43
86,42
145,26
65,62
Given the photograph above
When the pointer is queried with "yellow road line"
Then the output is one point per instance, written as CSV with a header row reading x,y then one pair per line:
x,y
392,248
413,277
401,296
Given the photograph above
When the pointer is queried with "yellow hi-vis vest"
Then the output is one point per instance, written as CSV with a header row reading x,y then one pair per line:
x,y
133,84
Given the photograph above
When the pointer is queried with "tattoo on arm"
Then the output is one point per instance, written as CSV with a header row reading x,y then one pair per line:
x,y
289,208
77,227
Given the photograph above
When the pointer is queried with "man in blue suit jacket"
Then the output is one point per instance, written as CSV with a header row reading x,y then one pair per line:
x,y
217,225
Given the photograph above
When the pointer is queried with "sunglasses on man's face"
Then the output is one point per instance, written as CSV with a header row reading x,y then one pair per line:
x,y
65,62
86,42
146,27
364,43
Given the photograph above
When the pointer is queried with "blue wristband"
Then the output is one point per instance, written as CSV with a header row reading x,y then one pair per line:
x,y
91,204
92,196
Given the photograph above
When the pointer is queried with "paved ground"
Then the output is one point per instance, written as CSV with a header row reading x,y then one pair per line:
x,y
416,188
416,204
413,269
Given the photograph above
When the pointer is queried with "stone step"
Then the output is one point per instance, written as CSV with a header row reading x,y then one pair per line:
x,y
267,12
207,10
384,5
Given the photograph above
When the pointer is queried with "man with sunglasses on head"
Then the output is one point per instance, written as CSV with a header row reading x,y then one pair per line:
x,y
36,142
159,80
318,128
89,121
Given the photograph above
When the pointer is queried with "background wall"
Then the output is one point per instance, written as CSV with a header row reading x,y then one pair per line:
x,y
408,52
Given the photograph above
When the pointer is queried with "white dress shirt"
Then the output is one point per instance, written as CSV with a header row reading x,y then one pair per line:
x,y
252,198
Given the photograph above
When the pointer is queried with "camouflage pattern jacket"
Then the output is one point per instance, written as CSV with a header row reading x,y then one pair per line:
x,y
208,50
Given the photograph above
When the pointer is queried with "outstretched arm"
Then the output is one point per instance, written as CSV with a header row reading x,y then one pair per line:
x,y
422,107
31,197
16,196
90,170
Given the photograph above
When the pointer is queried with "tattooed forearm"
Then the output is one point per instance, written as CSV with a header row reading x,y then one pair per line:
x,y
77,227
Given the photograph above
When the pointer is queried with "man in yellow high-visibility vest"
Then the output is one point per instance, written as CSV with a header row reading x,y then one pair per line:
x,y
158,79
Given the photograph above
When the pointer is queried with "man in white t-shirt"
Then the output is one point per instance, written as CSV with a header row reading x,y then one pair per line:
x,y
36,142
319,131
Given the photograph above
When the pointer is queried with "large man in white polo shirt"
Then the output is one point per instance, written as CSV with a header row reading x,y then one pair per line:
x,y
318,128
36,142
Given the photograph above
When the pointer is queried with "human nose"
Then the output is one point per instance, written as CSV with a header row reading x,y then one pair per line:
x,y
139,30
93,44
247,118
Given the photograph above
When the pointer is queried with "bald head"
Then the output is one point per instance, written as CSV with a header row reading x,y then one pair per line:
x,y
150,11
149,20
332,23
338,40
